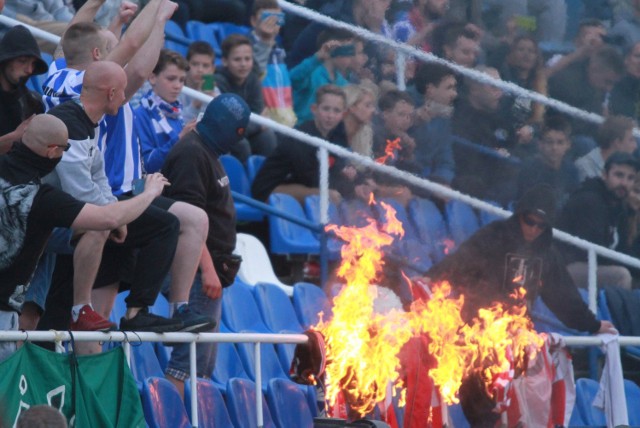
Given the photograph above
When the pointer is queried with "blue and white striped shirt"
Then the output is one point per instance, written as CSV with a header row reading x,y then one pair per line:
x,y
117,138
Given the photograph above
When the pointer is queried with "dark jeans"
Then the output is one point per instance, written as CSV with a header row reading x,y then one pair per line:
x,y
154,236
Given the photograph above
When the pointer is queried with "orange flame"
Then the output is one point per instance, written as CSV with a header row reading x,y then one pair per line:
x,y
362,347
389,151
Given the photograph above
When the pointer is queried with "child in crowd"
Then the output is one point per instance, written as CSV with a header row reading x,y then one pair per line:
x,y
551,166
293,167
158,119
329,65
267,19
239,76
202,65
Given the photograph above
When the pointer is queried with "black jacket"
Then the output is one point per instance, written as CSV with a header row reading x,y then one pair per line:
x,y
486,267
595,214
296,162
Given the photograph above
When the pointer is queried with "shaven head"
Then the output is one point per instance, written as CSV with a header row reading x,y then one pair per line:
x,y
44,132
103,88
83,43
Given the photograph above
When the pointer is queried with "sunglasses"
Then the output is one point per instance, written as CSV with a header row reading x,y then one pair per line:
x,y
64,148
534,223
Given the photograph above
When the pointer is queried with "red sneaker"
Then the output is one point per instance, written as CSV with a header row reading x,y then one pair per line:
x,y
90,320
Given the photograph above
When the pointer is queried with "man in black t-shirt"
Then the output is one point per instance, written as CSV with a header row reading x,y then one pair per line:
x,y
29,210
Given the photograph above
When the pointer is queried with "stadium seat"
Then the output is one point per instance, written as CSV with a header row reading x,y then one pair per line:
x,y
461,220
355,213
35,82
457,416
632,392
225,29
286,237
119,307
196,30
241,404
312,211
144,363
257,266
279,316
172,28
240,184
240,311
161,306
254,163
212,411
162,404
586,390
270,366
430,226
486,217
228,365
308,301
288,404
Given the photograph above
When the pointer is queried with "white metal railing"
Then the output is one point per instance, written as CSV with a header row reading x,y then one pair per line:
x,y
128,338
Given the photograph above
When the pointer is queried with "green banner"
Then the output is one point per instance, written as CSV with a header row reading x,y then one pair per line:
x,y
105,392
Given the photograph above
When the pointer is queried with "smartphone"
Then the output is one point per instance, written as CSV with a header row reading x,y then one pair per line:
x,y
137,186
266,14
208,82
200,115
343,50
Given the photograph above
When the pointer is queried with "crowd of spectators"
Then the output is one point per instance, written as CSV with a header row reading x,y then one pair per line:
x,y
460,132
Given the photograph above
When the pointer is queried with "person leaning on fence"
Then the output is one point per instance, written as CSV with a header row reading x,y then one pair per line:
x,y
29,210
198,177
506,255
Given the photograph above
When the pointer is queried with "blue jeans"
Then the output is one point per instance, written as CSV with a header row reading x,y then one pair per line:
x,y
178,366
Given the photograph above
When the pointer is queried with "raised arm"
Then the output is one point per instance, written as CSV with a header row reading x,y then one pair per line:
x,y
144,60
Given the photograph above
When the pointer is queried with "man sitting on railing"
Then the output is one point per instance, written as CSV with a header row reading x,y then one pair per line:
x,y
30,210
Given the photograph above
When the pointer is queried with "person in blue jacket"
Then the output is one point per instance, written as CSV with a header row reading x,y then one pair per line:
x,y
158,119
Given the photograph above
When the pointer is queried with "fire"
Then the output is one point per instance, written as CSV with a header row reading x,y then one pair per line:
x,y
362,347
390,151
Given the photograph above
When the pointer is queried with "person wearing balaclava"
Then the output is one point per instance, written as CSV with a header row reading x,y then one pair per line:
x,y
19,60
509,254
197,176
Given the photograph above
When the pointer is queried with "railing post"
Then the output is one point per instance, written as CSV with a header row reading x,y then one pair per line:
x,y
323,159
401,66
193,383
258,370
593,280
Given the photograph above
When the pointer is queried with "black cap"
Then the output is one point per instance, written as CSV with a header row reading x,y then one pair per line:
x,y
539,200
18,42
621,158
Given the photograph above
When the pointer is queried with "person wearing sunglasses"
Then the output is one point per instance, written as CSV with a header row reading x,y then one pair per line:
x,y
507,255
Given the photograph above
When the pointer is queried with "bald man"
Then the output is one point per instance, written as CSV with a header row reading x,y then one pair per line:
x,y
154,234
29,210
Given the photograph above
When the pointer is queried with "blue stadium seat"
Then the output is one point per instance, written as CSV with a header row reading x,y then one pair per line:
x,y
240,183
632,392
355,213
241,404
430,226
119,307
225,29
144,363
280,317
457,416
312,211
172,28
486,218
288,404
308,301
196,30
462,221
228,365
212,412
586,390
161,306
270,366
240,311
162,404
287,237
254,163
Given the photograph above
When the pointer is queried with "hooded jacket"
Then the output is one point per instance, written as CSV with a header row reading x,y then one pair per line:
x,y
497,259
20,103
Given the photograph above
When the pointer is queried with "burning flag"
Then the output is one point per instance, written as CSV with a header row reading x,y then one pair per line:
x,y
363,347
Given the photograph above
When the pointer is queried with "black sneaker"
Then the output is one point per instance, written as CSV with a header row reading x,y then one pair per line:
x,y
146,321
192,322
